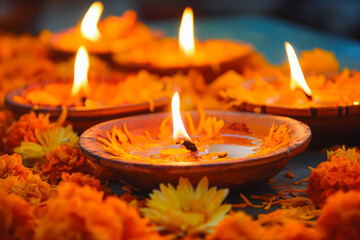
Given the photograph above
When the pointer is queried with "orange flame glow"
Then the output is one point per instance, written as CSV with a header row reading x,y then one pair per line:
x,y
80,72
356,103
179,131
186,33
89,23
297,76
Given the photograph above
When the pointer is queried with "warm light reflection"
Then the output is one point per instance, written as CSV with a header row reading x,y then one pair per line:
x,y
297,76
356,103
80,73
89,23
179,132
186,33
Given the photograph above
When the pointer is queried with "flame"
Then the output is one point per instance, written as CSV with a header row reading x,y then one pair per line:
x,y
186,33
297,76
356,103
80,72
89,28
179,131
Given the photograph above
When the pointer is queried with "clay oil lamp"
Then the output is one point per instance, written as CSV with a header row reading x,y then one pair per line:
x,y
113,34
231,148
328,103
167,56
90,102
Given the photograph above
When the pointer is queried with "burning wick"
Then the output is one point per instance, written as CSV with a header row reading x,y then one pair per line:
x,y
80,86
188,145
297,76
186,33
309,97
179,131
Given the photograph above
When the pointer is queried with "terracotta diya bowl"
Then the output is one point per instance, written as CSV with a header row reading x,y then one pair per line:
x,y
117,34
336,125
234,172
163,57
330,125
82,117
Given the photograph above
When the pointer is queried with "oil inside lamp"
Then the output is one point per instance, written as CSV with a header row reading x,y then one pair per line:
x,y
213,143
297,76
179,133
186,33
89,29
81,87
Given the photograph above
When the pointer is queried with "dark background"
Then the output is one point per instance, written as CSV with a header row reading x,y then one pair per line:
x,y
338,17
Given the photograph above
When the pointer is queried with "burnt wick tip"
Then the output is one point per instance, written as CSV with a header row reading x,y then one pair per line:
x,y
189,146
309,97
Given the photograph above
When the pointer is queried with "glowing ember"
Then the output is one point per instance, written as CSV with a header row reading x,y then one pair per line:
x,y
80,73
186,33
297,76
89,23
179,132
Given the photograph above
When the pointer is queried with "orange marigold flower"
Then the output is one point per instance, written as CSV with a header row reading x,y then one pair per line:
x,y
340,217
291,230
135,227
17,219
341,173
5,120
63,159
32,189
85,215
236,226
24,129
11,165
81,180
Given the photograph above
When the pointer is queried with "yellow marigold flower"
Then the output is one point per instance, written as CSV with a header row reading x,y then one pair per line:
x,y
84,214
237,226
11,165
46,141
17,219
352,154
186,210
32,189
80,180
341,173
63,159
340,217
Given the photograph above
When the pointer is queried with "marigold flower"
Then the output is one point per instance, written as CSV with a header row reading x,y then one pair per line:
x,y
5,120
237,226
45,142
32,189
340,218
11,165
81,180
17,219
85,215
291,223
61,159
352,154
341,173
24,129
291,230
184,210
